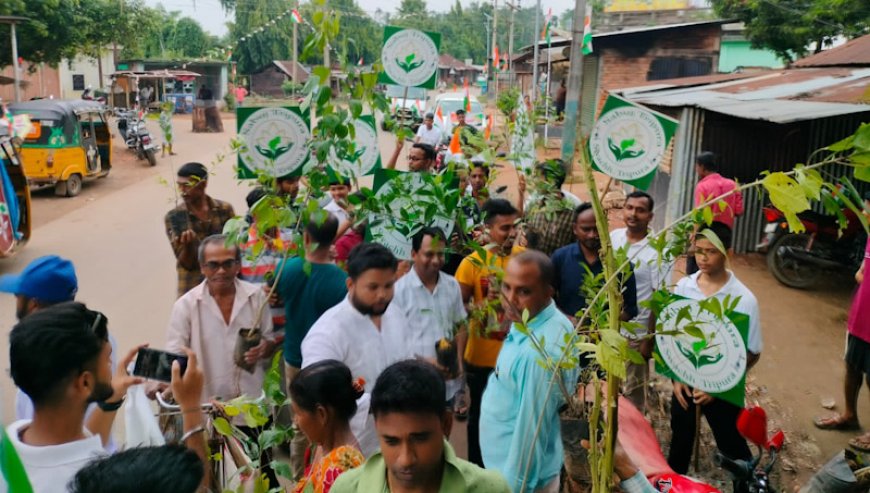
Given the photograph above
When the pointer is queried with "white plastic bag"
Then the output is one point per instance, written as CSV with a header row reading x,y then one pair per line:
x,y
141,424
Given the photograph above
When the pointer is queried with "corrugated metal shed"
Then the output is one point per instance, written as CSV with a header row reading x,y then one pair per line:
x,y
782,96
855,52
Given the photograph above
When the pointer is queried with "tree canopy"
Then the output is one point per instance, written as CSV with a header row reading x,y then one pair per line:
x,y
789,27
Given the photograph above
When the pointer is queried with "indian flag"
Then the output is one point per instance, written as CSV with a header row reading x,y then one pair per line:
x,y
547,26
13,478
296,17
587,31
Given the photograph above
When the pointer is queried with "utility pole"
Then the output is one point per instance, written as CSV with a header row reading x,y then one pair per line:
x,y
295,50
510,64
575,82
488,49
537,54
494,45
12,20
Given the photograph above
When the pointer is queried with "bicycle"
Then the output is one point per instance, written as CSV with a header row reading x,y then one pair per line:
x,y
220,441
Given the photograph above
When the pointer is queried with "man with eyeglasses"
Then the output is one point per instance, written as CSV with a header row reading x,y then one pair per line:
x,y
421,157
188,224
212,317
209,318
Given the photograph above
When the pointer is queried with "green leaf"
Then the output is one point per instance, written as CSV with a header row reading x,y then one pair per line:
x,y
223,427
708,215
715,240
842,145
356,108
862,138
810,180
787,196
323,74
694,331
862,173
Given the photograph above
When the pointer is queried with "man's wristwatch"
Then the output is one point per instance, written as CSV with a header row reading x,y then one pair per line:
x,y
110,406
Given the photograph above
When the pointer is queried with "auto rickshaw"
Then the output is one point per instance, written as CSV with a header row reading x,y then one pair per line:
x,y
14,198
69,141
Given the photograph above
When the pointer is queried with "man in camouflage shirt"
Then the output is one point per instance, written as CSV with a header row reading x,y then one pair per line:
x,y
197,218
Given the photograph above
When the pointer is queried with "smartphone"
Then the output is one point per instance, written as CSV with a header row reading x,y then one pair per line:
x,y
155,364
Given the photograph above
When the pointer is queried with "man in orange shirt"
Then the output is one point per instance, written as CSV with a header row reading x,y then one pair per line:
x,y
478,280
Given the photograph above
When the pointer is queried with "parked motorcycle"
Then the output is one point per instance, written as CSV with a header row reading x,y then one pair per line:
x,y
799,259
135,133
641,444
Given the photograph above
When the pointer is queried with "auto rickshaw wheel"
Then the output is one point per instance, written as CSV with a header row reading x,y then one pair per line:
x,y
69,187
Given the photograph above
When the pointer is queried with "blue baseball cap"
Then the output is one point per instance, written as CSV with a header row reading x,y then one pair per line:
x,y
51,279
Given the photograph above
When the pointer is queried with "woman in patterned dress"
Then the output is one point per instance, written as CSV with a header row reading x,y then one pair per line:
x,y
324,398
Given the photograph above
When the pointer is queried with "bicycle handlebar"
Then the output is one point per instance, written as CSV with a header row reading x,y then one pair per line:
x,y
206,406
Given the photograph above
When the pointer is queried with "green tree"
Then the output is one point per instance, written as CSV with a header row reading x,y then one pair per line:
x,y
261,37
52,33
788,27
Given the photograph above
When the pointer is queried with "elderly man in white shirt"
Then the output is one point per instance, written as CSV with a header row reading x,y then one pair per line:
x,y
432,302
366,331
210,317
650,274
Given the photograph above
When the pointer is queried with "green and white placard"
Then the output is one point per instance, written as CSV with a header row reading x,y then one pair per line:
x,y
716,363
410,57
409,200
275,140
628,141
367,156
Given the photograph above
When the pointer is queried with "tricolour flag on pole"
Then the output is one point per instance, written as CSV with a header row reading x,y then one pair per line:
x,y
296,17
495,58
547,27
587,31
466,102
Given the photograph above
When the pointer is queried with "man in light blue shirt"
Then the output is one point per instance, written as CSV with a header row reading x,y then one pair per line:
x,y
518,392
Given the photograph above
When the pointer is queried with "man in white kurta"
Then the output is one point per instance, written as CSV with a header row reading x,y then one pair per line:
x,y
366,331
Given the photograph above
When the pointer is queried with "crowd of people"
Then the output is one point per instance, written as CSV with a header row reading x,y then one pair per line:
x,y
363,336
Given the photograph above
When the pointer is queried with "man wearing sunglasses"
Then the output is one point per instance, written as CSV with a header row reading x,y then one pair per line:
x,y
209,319
196,218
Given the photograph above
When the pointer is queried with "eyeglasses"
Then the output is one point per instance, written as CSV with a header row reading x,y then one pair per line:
x,y
225,265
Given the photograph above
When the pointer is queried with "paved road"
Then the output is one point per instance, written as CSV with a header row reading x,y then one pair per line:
x,y
113,232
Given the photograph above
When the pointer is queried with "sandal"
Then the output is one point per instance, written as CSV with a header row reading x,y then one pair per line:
x,y
861,443
835,422
460,406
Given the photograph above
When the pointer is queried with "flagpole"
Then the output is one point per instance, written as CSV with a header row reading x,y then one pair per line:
x,y
546,97
535,39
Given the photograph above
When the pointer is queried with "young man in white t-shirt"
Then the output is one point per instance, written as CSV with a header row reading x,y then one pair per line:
x,y
60,357
713,279
428,133
650,274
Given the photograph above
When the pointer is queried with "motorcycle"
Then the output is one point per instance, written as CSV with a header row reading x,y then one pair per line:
x,y
641,444
135,133
798,260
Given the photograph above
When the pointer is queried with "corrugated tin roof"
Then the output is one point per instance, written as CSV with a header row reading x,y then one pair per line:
x,y
781,96
855,52
286,66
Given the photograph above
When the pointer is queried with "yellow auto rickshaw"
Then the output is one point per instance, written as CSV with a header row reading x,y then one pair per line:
x,y
69,141
14,198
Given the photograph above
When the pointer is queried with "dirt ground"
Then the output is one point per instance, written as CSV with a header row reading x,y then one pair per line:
x,y
800,368
804,331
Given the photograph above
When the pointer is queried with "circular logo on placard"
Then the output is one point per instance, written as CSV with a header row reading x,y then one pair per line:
x,y
364,158
276,140
715,363
410,57
627,143
406,211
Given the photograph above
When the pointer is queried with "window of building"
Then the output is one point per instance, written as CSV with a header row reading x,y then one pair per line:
x,y
78,82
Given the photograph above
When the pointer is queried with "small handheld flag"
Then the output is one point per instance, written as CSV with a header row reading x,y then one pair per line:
x,y
296,17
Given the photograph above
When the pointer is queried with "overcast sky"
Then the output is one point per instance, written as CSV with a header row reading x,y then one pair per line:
x,y
212,18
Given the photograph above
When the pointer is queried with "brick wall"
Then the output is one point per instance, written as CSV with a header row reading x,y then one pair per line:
x,y
38,81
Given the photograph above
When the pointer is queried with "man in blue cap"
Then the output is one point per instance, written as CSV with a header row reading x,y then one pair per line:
x,y
46,281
